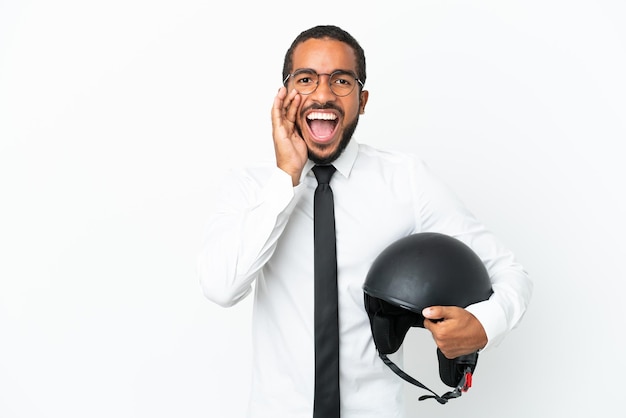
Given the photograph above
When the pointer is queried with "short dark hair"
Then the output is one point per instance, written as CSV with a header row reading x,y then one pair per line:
x,y
331,32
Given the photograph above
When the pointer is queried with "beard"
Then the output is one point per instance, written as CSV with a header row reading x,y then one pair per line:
x,y
343,143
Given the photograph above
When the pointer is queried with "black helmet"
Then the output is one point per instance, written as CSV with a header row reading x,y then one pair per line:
x,y
413,273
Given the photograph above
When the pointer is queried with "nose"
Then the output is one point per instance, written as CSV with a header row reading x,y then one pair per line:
x,y
323,93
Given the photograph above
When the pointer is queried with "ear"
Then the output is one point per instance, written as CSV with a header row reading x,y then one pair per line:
x,y
363,101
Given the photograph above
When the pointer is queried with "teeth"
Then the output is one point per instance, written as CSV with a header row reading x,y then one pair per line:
x,y
322,116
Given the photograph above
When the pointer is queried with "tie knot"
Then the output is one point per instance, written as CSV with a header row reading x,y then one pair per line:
x,y
323,173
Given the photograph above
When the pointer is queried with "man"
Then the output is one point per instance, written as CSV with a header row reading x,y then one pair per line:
x,y
261,237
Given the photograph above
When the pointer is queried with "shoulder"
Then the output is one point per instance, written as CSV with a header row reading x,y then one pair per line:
x,y
252,179
256,173
391,158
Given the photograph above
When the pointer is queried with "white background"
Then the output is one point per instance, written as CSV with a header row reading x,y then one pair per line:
x,y
118,117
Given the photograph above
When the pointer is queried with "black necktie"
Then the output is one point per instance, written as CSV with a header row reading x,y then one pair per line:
x,y
326,402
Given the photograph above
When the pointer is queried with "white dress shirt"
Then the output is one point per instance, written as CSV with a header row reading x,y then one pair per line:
x,y
261,237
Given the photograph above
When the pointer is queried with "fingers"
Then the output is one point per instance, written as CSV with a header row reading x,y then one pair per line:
x,y
291,106
277,108
285,106
455,331
289,147
435,312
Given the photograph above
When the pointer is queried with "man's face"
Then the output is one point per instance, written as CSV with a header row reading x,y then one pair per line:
x,y
326,121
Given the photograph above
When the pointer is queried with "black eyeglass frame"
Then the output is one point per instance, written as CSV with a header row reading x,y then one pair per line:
x,y
330,76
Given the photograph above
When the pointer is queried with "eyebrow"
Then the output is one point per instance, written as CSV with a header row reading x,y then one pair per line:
x,y
338,70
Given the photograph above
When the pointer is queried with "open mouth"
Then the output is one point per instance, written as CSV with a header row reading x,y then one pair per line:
x,y
322,125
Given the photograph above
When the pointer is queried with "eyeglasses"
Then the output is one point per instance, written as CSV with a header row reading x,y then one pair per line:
x,y
306,81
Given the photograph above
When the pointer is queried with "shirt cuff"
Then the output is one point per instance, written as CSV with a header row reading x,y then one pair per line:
x,y
492,318
279,191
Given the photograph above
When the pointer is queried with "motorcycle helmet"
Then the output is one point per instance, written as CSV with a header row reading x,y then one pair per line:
x,y
413,273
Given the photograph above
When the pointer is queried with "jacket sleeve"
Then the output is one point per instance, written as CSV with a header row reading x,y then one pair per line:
x,y
251,210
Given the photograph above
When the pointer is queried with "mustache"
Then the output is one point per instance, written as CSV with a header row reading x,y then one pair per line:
x,y
318,106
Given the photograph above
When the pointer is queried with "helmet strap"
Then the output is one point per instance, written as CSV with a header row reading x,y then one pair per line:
x,y
463,386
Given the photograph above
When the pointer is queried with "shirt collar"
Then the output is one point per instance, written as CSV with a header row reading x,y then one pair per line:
x,y
343,164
